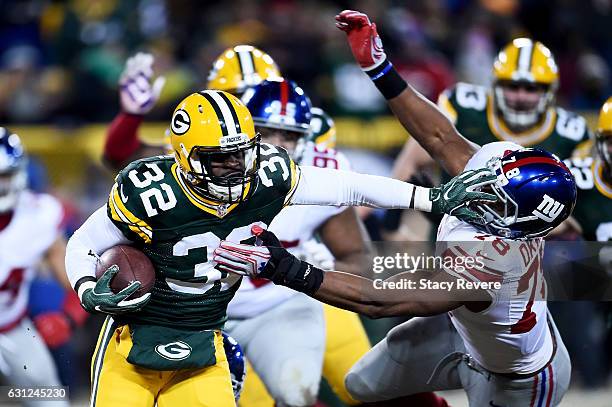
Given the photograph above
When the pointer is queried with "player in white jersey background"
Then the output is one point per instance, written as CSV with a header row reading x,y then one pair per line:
x,y
498,342
30,231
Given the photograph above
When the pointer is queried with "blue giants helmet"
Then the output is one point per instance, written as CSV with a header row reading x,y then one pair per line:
x,y
536,192
13,178
237,363
282,105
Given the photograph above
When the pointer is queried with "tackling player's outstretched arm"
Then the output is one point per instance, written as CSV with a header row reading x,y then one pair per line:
x,y
323,186
421,118
344,290
346,238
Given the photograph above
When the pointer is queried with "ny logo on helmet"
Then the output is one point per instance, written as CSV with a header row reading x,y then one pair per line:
x,y
549,209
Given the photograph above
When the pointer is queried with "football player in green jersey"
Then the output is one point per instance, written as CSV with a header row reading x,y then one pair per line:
x,y
166,345
593,176
519,107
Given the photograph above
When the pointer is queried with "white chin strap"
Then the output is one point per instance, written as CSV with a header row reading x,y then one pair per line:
x,y
520,119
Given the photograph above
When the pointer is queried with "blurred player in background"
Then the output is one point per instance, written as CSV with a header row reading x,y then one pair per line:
x,y
30,231
518,107
593,176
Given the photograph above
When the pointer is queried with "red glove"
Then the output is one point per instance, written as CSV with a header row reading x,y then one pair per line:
x,y
54,328
73,309
363,39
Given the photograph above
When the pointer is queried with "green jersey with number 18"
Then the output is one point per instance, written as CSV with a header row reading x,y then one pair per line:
x,y
471,108
178,230
594,204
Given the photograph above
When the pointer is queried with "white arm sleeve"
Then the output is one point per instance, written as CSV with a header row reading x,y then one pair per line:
x,y
97,234
323,186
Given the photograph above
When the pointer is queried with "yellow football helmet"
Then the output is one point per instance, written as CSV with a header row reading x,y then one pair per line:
x,y
208,128
524,61
323,132
603,136
241,67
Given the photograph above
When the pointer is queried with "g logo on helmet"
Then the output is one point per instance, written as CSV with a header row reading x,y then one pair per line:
x,y
180,122
548,209
174,350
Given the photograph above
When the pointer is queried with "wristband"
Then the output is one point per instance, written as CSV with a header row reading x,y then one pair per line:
x,y
387,80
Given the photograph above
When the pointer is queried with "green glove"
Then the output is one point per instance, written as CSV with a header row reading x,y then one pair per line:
x,y
100,296
453,197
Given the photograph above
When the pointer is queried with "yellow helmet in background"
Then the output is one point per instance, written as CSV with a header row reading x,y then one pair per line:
x,y
524,61
241,67
603,135
323,132
213,125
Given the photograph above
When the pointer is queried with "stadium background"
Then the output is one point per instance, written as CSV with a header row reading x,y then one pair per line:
x,y
60,62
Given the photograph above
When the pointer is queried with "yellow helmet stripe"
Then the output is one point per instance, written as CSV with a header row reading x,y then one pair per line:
x,y
224,110
525,58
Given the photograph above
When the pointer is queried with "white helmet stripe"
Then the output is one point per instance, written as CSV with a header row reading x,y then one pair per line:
x,y
525,57
220,105
246,62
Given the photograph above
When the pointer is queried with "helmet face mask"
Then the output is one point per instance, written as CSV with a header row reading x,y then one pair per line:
x,y
604,151
603,138
230,186
291,140
522,104
13,176
536,193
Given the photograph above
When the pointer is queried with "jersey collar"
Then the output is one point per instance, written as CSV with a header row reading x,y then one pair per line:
x,y
217,209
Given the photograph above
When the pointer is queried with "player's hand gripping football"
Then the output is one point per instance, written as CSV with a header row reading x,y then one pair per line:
x,y
363,39
271,260
138,91
101,298
453,197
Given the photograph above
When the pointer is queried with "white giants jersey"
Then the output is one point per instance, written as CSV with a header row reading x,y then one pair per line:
x,y
295,227
512,334
34,227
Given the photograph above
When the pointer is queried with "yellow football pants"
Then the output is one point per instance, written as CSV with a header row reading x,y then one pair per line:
x,y
345,343
116,382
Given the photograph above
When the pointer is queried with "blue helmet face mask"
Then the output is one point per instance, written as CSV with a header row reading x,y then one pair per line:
x,y
236,362
536,193
13,178
281,107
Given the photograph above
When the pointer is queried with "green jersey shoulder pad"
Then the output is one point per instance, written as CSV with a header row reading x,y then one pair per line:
x,y
465,96
141,191
278,174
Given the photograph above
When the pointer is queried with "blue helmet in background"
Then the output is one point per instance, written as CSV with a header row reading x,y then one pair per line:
x,y
13,178
279,104
536,193
237,363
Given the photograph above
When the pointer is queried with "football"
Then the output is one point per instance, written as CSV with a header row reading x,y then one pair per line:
x,y
133,265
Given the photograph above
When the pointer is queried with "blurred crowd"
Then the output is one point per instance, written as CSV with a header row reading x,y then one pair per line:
x,y
60,60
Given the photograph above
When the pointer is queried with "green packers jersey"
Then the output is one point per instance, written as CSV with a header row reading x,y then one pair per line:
x,y
471,109
178,230
594,203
